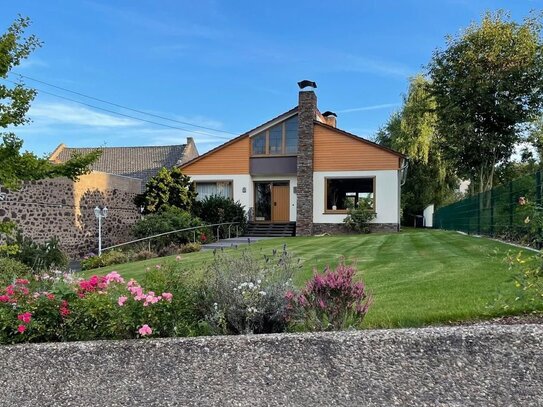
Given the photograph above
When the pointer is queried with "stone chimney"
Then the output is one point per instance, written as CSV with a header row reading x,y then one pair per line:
x,y
307,111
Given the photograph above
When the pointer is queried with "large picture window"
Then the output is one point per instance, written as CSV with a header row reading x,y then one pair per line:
x,y
345,193
206,189
281,139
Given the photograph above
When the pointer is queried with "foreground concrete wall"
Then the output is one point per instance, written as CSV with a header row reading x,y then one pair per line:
x,y
451,366
63,208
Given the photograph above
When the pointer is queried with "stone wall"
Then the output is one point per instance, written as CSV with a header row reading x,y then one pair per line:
x,y
63,208
486,365
307,110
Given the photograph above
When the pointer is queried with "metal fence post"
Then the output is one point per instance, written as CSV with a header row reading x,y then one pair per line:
x,y
511,204
538,187
479,209
492,212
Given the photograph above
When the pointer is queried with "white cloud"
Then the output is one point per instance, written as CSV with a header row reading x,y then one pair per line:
x,y
346,62
366,108
32,62
62,113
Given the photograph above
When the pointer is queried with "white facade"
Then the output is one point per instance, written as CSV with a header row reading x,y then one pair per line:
x,y
386,192
386,195
243,188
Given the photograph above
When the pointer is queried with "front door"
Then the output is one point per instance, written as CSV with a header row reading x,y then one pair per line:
x,y
281,204
272,203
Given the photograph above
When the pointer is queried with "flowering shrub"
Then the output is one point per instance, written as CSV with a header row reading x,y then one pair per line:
x,y
329,302
528,280
11,269
246,294
47,308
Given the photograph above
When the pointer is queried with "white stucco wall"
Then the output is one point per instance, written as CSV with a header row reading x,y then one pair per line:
x,y
386,195
240,181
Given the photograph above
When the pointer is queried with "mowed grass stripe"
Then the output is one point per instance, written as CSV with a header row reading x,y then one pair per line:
x,y
417,277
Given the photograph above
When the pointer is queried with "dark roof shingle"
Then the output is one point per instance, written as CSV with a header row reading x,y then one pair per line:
x,y
136,162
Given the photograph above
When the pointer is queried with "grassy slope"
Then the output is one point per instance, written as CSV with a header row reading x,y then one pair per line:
x,y
417,277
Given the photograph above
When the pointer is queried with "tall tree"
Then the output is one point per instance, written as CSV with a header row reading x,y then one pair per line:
x,y
15,101
412,131
488,84
17,166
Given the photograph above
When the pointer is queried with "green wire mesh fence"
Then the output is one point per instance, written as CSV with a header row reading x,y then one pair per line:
x,y
502,212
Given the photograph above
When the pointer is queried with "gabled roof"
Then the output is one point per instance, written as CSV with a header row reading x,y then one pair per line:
x,y
346,133
136,162
258,128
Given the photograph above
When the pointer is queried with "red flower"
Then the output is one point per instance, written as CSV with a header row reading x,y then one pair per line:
x,y
4,298
21,328
203,237
50,296
25,317
10,290
22,281
64,310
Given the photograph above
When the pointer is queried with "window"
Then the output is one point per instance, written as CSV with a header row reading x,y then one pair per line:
x,y
291,135
205,189
281,139
345,193
276,139
259,144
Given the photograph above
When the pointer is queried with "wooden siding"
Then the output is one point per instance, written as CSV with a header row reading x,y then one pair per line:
x,y
230,159
336,151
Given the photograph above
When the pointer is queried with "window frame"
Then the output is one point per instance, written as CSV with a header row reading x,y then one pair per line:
x,y
214,181
267,141
346,211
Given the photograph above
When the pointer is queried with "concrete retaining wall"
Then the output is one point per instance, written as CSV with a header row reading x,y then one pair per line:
x,y
451,366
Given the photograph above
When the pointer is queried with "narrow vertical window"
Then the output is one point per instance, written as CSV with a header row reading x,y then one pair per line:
x,y
276,139
291,135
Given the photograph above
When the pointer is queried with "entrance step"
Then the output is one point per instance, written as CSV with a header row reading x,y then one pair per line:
x,y
255,229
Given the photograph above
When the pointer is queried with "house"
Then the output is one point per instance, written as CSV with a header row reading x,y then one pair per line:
x,y
64,208
135,162
300,167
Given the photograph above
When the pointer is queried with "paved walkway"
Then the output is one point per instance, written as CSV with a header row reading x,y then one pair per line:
x,y
232,242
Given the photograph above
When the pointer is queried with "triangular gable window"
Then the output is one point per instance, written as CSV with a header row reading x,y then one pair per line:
x,y
281,139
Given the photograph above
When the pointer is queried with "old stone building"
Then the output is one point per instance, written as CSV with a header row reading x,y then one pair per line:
x,y
63,208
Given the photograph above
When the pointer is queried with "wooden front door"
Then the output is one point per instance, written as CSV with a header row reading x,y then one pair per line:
x,y
280,203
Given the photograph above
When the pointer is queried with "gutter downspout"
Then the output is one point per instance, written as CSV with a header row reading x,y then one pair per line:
x,y
402,176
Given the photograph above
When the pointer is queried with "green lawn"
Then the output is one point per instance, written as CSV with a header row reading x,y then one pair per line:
x,y
417,277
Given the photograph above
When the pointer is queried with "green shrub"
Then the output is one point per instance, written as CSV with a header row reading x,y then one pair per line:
x,y
528,279
108,258
10,269
42,256
358,219
143,255
190,248
169,220
219,209
246,293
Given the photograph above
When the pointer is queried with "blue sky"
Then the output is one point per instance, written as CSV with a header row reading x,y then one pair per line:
x,y
225,65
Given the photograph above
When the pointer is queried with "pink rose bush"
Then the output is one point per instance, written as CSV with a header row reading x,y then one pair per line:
x,y
63,308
